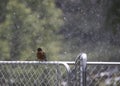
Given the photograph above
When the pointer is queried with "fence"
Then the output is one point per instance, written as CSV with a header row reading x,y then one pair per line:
x,y
103,74
59,73
33,73
96,73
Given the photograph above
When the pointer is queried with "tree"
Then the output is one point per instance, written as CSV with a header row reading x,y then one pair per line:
x,y
26,29
88,28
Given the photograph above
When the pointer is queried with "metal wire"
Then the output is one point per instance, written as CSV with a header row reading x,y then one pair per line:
x,y
96,73
59,73
103,74
33,73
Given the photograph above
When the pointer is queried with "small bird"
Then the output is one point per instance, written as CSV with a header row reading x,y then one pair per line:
x,y
41,55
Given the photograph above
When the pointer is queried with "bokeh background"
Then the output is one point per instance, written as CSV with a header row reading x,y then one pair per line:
x,y
63,28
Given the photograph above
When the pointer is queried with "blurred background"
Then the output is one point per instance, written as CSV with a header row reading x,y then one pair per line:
x,y
62,28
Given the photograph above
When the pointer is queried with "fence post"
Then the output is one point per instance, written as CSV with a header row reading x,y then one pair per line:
x,y
83,65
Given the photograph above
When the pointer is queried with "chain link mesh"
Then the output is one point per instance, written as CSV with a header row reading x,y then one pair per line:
x,y
78,72
103,75
95,73
32,74
55,74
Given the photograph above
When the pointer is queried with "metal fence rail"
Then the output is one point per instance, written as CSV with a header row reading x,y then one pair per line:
x,y
79,78
95,73
33,73
60,73
103,74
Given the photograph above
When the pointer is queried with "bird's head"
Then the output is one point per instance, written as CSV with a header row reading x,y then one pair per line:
x,y
39,49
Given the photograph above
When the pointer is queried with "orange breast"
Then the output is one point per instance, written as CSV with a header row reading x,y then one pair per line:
x,y
40,55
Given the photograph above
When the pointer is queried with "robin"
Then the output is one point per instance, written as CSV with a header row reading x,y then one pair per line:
x,y
41,55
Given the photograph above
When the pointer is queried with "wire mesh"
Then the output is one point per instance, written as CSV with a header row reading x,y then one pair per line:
x,y
95,73
103,74
78,73
32,74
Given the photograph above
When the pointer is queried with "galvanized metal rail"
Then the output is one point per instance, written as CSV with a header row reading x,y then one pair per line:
x,y
80,65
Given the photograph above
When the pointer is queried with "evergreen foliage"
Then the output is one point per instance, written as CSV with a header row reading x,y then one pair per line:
x,y
28,25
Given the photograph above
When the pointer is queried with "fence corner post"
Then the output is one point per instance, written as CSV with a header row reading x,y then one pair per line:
x,y
83,65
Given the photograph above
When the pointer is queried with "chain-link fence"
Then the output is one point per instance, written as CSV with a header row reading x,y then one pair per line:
x,y
95,73
33,73
59,73
103,74
78,72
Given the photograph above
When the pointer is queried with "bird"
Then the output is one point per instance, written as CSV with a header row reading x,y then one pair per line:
x,y
41,55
